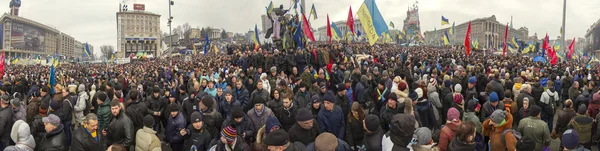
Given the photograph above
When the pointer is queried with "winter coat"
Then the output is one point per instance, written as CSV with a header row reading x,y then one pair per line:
x,y
21,135
564,118
120,130
471,116
146,140
259,119
239,145
342,146
372,140
593,107
574,92
447,134
523,95
516,89
425,111
495,134
548,108
387,113
258,93
83,141
20,113
200,139
536,92
498,88
332,121
359,93
536,129
244,126
189,106
156,104
80,106
136,111
582,124
104,115
303,99
212,120
6,123
487,109
226,107
460,145
242,95
354,132
287,117
53,141
174,124
344,103
304,136
400,134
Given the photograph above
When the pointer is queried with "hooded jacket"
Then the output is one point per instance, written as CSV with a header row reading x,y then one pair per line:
x,y
81,106
372,140
21,135
447,134
547,106
594,106
6,121
400,134
200,139
495,134
146,140
582,124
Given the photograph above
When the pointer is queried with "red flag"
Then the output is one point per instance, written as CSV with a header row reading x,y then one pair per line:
x,y
571,47
306,28
545,45
553,56
350,22
329,29
468,40
2,65
505,36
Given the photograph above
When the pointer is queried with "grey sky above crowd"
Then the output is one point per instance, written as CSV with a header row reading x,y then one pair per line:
x,y
94,21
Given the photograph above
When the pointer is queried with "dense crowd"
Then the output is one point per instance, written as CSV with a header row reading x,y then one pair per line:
x,y
325,97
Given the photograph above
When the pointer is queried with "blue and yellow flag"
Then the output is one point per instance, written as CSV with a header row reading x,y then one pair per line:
x,y
446,40
372,21
255,38
52,77
270,8
452,29
87,50
528,49
206,45
445,21
313,12
335,32
193,48
514,42
15,61
392,24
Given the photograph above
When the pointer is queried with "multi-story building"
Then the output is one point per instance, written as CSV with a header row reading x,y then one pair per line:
x,y
22,37
344,29
592,37
488,32
66,45
137,31
214,34
193,33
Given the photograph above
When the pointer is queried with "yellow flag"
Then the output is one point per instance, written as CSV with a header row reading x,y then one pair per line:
x,y
367,22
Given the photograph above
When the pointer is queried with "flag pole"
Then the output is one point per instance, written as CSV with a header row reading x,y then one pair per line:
x,y
563,26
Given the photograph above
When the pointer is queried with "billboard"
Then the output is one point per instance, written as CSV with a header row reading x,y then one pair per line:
x,y
27,37
140,7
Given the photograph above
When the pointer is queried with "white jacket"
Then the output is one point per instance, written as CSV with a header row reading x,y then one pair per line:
x,y
80,106
546,96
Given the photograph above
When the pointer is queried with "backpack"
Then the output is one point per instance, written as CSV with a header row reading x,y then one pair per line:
x,y
517,135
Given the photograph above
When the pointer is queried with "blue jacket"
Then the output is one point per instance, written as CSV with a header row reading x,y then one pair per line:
x,y
332,121
174,125
212,92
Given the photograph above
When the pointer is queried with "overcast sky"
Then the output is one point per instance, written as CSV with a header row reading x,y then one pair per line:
x,y
94,21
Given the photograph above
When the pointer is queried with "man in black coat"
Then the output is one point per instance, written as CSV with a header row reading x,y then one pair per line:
x,y
120,128
306,129
373,132
6,114
196,136
55,139
287,113
83,139
155,107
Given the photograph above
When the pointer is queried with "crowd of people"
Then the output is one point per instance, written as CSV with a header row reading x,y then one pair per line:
x,y
325,97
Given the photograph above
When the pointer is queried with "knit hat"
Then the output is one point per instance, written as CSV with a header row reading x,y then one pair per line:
x,y
453,114
341,87
303,115
582,109
447,83
419,92
174,108
372,122
315,98
494,97
81,88
237,112
196,117
457,88
5,99
472,80
16,102
54,105
458,99
326,141
498,116
229,133
329,97
277,138
382,82
534,110
422,135
208,100
570,139
272,122
148,121
413,95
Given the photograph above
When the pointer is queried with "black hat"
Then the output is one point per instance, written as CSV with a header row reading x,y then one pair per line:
x,y
534,110
45,89
258,100
304,115
148,121
196,117
316,98
329,97
372,122
277,138
208,101
392,96
237,112
341,87
173,108
382,82
156,90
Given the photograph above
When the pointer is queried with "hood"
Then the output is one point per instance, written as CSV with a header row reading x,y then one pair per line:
x,y
453,125
595,99
507,125
458,144
431,88
517,86
21,133
550,92
402,127
272,122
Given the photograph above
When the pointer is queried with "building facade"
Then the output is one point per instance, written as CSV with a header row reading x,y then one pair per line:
x,y
487,31
214,34
322,31
67,45
137,31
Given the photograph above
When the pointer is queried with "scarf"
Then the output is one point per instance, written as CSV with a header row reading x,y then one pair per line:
x,y
94,134
288,110
501,123
261,111
381,97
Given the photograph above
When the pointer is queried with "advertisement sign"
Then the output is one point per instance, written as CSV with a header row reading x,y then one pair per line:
x,y
27,37
140,7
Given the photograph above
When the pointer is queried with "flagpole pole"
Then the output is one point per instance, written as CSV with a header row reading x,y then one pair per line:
x,y
563,26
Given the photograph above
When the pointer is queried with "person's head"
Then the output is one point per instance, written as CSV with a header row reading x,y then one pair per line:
x,y
466,131
259,103
305,119
326,142
497,118
238,84
196,119
259,86
494,99
277,140
422,136
569,104
276,94
174,109
525,103
237,113
392,101
196,86
228,95
526,88
357,112
329,101
211,84
91,122
570,139
371,123
220,91
316,101
116,147
206,102
287,101
576,84
51,122
155,92
472,81
115,107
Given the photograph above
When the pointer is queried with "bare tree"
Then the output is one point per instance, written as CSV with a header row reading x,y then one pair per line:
x,y
178,31
224,34
107,51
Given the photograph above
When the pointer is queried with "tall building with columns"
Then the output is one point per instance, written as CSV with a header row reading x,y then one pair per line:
x,y
137,31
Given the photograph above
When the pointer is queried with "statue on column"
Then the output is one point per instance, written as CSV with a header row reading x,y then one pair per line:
x,y
276,18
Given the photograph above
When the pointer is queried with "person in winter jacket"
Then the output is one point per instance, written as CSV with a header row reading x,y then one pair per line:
x,y
466,138
231,141
242,123
175,123
103,111
533,127
582,123
448,131
22,137
259,92
55,137
471,116
373,133
278,140
459,104
594,106
564,117
354,126
259,113
155,106
272,124
120,128
489,107
145,138
434,97
536,92
87,138
400,134
275,100
19,110
331,117
547,102
447,97
423,141
570,141
196,136
303,97
425,110
81,104
287,113
525,93
574,91
494,126
341,99
226,106
392,108
306,128
210,117
241,94
327,142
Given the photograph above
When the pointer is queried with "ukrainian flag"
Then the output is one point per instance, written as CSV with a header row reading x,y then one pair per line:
x,y
445,21
255,38
371,20
556,46
87,50
270,8
392,24
335,32
313,12
15,61
446,40
194,48
452,29
52,78
529,48
514,42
